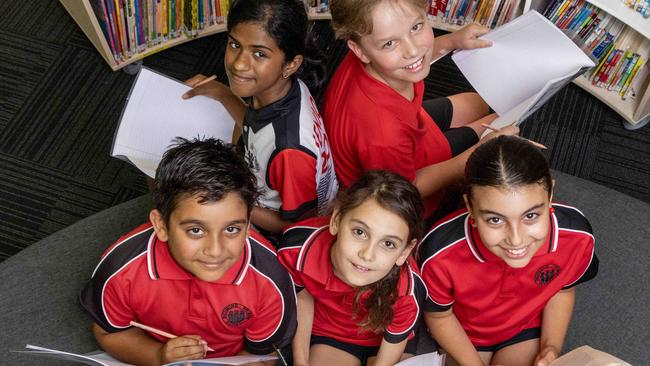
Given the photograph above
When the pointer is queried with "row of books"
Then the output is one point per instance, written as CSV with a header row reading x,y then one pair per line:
x,y
491,13
620,52
132,26
640,6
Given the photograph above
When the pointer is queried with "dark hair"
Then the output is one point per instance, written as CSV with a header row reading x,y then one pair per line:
x,y
507,161
287,23
208,168
397,195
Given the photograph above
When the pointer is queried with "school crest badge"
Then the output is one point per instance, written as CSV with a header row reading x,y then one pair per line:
x,y
235,314
546,274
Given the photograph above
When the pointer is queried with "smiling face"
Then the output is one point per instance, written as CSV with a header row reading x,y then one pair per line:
x,y
206,239
399,50
255,65
512,223
370,241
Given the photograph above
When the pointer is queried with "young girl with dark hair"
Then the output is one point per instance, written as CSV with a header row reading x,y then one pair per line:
x,y
358,286
501,273
271,62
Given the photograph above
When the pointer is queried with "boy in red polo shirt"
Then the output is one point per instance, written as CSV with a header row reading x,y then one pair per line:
x,y
196,270
374,112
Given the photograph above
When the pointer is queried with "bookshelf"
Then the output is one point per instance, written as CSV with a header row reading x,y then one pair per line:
x,y
635,110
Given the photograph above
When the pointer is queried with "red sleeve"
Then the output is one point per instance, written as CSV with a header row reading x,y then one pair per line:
x,y
116,304
396,156
268,319
585,261
292,173
406,310
438,284
289,259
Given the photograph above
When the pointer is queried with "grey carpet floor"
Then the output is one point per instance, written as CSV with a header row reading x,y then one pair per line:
x,y
60,104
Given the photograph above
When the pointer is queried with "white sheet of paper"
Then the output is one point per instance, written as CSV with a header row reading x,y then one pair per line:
x,y
526,53
427,359
155,114
101,359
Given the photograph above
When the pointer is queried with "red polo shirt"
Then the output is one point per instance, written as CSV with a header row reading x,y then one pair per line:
x,y
252,305
371,126
493,301
305,251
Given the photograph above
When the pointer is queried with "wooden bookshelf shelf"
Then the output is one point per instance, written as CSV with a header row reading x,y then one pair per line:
x,y
635,110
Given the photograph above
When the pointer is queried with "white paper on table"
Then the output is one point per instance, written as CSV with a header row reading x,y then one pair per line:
x,y
100,359
427,359
526,53
155,114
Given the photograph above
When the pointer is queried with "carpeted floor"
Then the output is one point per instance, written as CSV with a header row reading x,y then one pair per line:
x,y
60,104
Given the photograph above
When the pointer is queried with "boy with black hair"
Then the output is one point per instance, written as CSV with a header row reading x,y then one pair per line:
x,y
196,270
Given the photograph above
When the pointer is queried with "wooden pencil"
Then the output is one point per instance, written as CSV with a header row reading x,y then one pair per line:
x,y
157,331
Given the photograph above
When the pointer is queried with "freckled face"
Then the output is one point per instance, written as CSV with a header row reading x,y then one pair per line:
x,y
513,223
206,239
254,65
370,241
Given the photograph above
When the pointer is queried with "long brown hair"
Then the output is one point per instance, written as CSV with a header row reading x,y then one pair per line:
x,y
397,195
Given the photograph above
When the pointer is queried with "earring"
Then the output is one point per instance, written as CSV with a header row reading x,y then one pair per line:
x,y
552,210
284,76
472,221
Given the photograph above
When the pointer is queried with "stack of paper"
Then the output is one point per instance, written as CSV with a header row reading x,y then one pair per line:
x,y
155,114
529,61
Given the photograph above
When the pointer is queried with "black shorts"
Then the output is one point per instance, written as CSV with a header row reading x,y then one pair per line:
x,y
363,353
360,352
442,111
524,335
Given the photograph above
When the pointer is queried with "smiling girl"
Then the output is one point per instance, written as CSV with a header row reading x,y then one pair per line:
x,y
374,111
501,273
359,289
271,62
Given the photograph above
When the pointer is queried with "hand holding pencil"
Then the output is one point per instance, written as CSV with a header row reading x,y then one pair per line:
x,y
187,347
206,86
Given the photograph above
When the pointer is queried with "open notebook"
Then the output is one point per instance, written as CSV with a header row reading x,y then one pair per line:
x,y
529,61
103,359
155,114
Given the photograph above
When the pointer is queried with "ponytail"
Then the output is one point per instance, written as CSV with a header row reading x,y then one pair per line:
x,y
380,301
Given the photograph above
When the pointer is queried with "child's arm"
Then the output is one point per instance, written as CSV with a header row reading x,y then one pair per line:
x,y
464,38
447,331
555,322
389,353
134,346
220,92
436,177
300,344
268,219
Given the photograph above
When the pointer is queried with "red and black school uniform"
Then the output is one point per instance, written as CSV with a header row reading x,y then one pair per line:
x,y
252,307
371,126
287,149
305,251
494,302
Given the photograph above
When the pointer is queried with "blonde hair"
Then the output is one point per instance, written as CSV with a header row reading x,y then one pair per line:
x,y
352,19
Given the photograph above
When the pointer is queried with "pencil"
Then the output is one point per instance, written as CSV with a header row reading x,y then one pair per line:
x,y
204,81
157,331
535,143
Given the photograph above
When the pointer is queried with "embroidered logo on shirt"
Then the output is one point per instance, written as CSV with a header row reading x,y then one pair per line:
x,y
546,274
235,314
